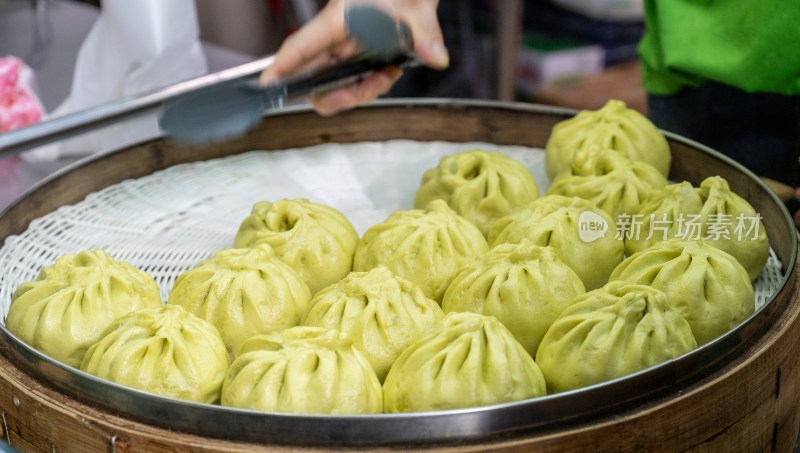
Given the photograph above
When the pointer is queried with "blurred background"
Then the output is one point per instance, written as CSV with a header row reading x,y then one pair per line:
x,y
573,53
576,53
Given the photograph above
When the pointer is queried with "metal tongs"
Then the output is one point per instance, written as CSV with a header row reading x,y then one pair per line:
x,y
228,110
229,102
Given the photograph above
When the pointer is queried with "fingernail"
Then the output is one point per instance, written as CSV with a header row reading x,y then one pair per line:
x,y
440,55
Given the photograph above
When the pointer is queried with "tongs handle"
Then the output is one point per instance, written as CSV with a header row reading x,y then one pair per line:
x,y
62,127
340,74
388,42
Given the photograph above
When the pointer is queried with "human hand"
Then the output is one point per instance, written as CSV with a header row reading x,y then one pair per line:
x,y
323,41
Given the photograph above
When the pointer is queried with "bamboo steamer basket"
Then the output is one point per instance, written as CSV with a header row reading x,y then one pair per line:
x,y
739,393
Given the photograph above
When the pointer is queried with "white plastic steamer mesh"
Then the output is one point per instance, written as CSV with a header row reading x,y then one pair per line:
x,y
167,222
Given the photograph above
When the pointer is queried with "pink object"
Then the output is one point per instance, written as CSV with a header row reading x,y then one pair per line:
x,y
19,107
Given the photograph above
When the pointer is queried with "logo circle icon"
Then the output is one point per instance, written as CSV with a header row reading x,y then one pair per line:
x,y
591,226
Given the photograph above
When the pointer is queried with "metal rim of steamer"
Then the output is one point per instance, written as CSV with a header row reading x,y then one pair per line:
x,y
471,424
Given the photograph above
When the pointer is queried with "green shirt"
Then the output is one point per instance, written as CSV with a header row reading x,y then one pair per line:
x,y
753,45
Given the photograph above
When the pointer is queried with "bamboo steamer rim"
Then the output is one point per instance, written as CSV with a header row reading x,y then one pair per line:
x,y
341,128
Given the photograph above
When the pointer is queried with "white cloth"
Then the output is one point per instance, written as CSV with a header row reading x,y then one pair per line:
x,y
135,47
